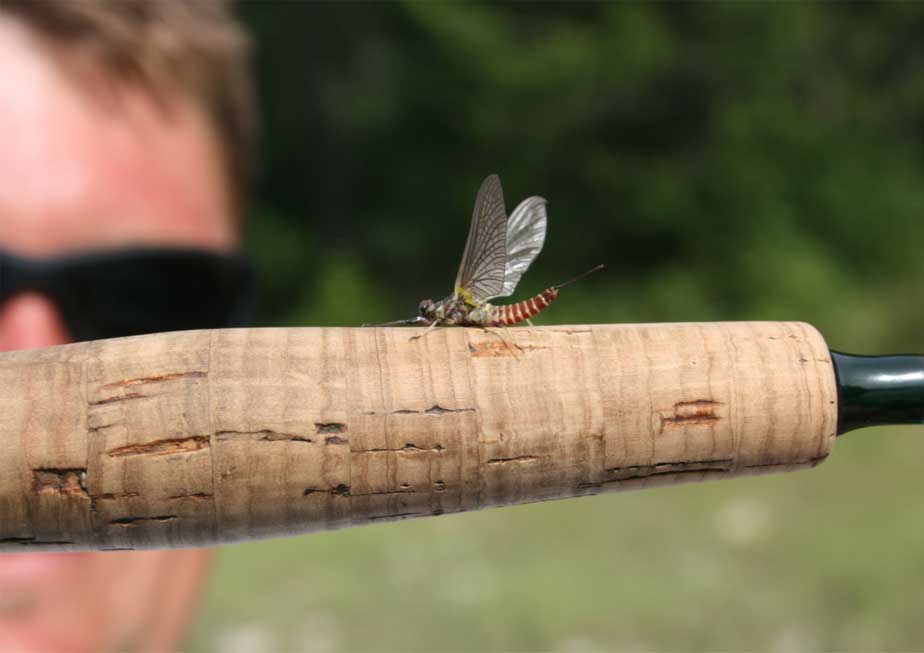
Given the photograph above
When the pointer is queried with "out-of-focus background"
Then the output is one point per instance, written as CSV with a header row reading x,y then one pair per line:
x,y
726,162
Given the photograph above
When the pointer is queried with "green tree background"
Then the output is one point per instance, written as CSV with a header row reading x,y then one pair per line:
x,y
726,162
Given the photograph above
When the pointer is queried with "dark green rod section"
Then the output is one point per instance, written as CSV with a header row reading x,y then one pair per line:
x,y
878,390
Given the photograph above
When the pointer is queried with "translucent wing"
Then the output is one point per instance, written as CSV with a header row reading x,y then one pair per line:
x,y
525,237
481,274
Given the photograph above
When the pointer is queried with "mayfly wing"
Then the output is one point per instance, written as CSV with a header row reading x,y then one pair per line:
x,y
481,274
525,238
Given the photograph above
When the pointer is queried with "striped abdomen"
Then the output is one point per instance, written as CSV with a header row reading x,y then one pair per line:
x,y
514,313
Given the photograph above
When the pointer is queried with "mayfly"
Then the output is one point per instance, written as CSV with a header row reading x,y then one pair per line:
x,y
498,251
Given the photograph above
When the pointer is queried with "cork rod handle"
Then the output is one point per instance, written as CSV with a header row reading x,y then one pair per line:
x,y
205,437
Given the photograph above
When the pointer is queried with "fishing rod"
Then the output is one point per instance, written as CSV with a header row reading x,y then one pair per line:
x,y
878,390
207,437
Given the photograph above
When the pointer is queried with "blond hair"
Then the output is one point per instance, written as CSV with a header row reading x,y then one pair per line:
x,y
194,47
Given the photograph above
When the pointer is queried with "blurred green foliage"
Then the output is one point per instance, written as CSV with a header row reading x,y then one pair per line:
x,y
726,161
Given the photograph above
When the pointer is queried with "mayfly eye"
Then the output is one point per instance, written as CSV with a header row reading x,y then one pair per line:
x,y
425,306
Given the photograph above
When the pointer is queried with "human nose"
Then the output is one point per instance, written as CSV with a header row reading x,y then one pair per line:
x,y
30,320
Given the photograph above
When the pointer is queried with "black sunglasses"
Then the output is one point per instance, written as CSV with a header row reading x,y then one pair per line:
x,y
124,292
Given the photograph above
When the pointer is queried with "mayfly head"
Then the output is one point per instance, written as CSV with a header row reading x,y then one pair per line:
x,y
426,308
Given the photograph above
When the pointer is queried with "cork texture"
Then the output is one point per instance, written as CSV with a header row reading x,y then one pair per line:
x,y
204,437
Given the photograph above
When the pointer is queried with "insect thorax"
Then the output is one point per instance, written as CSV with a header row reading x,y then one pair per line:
x,y
455,310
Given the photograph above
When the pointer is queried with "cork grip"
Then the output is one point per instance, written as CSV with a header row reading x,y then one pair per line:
x,y
204,437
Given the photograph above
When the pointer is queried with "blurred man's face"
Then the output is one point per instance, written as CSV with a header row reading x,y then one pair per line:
x,y
79,169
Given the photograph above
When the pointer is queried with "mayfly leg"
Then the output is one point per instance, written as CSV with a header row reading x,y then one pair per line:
x,y
429,329
411,322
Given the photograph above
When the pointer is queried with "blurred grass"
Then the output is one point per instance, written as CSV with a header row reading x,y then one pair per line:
x,y
726,161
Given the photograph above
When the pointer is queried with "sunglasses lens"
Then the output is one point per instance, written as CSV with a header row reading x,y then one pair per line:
x,y
112,295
